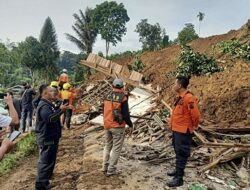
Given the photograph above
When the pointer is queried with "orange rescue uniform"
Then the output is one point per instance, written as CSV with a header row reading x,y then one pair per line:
x,y
113,101
186,114
67,95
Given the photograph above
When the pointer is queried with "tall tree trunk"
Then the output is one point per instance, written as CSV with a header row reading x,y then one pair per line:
x,y
107,48
32,77
89,50
199,27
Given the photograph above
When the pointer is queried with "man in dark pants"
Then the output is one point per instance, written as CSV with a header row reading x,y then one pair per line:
x,y
48,132
184,119
27,108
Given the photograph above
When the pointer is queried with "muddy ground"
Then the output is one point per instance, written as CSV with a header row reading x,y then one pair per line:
x,y
79,163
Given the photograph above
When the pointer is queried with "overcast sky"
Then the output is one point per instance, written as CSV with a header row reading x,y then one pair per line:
x,y
22,18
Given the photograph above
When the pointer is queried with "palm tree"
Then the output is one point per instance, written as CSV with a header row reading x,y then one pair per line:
x,y
200,16
85,32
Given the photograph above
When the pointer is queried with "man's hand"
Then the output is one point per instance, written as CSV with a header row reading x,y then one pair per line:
x,y
8,99
7,145
63,107
13,114
71,107
129,131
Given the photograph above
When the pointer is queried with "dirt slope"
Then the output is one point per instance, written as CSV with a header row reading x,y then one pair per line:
x,y
224,97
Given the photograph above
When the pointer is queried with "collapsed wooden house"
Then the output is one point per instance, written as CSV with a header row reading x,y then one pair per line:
x,y
112,69
152,139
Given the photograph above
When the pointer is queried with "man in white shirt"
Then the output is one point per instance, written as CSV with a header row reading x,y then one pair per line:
x,y
6,121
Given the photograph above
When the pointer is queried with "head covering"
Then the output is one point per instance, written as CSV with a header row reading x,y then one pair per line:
x,y
118,83
64,71
54,84
66,86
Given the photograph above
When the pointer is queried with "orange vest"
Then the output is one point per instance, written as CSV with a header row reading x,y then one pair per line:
x,y
113,102
64,78
67,95
186,114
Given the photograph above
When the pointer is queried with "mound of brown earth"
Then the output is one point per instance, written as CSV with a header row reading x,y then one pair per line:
x,y
224,97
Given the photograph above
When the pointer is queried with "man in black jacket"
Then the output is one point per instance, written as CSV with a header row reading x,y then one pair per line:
x,y
48,132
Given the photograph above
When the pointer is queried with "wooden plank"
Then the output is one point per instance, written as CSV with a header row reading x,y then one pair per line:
x,y
135,76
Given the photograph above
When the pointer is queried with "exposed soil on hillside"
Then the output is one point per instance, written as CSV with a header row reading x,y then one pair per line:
x,y
224,97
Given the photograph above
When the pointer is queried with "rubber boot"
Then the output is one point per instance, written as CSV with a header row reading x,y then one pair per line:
x,y
171,173
176,182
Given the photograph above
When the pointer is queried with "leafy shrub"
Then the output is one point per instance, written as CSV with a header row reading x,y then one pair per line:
x,y
138,64
23,149
194,63
235,48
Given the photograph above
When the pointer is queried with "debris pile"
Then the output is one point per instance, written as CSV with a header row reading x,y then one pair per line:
x,y
215,148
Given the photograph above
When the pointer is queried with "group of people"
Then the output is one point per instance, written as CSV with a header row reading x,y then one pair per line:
x,y
54,107
184,120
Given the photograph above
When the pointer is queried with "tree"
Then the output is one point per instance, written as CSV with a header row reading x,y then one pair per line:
x,y
85,31
187,34
152,37
81,72
200,16
31,56
11,72
48,39
110,19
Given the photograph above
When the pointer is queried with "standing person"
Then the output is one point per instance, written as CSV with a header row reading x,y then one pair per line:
x,y
48,132
116,116
16,103
67,96
17,106
184,120
63,78
6,121
27,107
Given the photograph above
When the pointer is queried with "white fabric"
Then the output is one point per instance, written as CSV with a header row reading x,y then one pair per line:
x,y
5,121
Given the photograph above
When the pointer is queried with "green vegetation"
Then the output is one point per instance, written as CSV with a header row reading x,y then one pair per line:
x,y
138,64
123,55
194,63
31,56
85,31
50,53
110,18
152,37
236,49
71,62
11,72
187,34
24,148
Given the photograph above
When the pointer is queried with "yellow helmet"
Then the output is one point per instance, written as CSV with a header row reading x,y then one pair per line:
x,y
54,84
66,86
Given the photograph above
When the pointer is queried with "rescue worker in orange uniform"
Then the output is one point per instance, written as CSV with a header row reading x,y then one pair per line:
x,y
63,78
116,116
67,97
184,120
